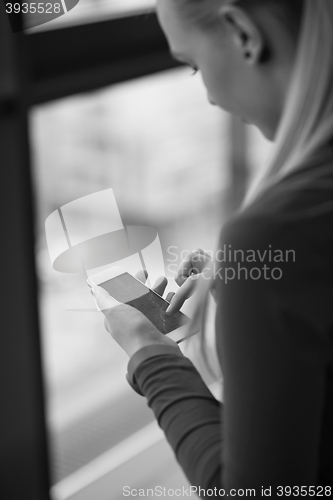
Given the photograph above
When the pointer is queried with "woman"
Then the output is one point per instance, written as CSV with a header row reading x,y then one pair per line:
x,y
271,63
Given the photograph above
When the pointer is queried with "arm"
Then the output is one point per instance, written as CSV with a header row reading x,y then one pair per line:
x,y
183,405
187,412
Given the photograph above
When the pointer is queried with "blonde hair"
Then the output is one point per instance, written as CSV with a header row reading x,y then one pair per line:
x,y
307,120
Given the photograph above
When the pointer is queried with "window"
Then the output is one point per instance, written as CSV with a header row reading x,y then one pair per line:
x,y
164,151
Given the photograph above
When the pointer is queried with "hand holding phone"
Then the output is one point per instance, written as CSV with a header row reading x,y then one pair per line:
x,y
124,288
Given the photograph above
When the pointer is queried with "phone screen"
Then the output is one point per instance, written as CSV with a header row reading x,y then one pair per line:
x,y
129,290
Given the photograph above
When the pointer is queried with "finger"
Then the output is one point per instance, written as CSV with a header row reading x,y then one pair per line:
x,y
184,269
142,275
102,297
184,292
201,251
169,296
160,285
192,264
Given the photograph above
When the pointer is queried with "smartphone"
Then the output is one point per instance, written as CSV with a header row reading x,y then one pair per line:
x,y
127,289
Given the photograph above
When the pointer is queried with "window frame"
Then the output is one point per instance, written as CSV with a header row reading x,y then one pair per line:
x,y
86,57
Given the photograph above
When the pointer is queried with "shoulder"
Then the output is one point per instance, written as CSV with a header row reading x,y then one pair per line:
x,y
264,232
285,243
287,218
279,253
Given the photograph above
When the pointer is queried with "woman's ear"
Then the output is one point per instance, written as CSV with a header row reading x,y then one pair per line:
x,y
246,34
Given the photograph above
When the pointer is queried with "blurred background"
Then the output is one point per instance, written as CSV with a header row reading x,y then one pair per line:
x,y
122,116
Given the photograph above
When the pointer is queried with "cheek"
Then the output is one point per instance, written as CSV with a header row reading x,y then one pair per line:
x,y
217,78
219,90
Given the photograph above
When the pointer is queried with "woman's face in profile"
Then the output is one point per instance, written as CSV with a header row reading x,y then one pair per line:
x,y
192,46
232,83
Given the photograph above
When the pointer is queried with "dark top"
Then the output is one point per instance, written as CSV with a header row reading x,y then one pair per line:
x,y
274,338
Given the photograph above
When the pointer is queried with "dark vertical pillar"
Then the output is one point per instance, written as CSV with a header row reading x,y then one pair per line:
x,y
23,450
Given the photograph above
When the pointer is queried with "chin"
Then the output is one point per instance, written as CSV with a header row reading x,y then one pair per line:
x,y
268,133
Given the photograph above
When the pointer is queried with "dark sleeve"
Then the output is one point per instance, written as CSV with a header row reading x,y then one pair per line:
x,y
187,412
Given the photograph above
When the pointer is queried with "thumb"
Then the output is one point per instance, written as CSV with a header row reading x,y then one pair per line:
x,y
102,297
